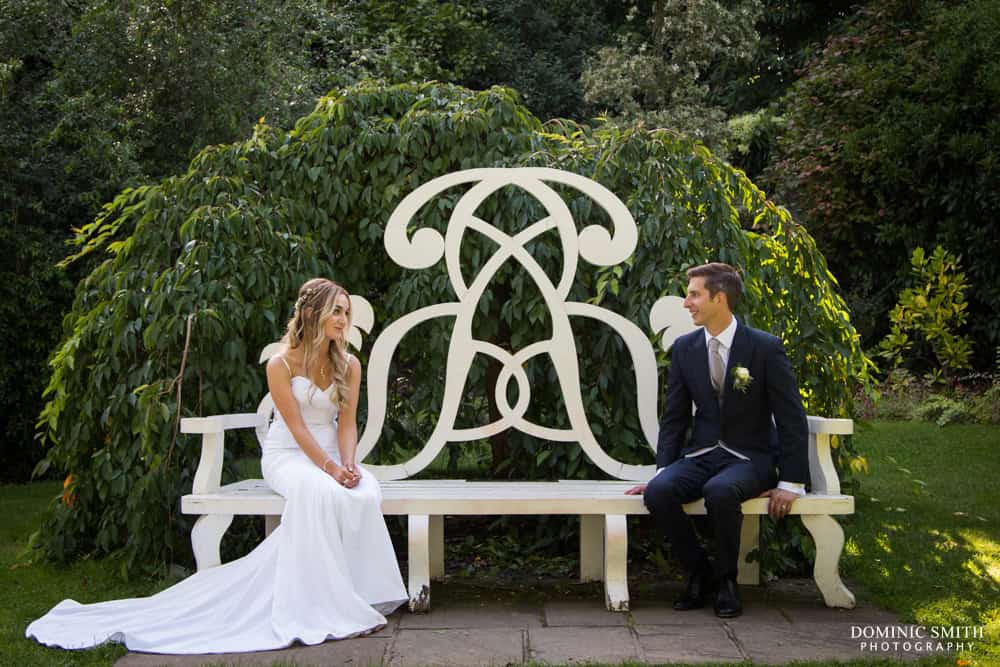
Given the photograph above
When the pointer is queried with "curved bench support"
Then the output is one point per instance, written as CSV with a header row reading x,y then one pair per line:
x,y
206,536
829,538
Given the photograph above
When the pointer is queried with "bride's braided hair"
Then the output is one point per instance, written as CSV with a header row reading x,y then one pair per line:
x,y
317,298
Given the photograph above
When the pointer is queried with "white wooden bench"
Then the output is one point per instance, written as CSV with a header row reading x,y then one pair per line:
x,y
601,505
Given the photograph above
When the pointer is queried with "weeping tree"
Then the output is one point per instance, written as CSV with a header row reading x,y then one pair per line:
x,y
200,271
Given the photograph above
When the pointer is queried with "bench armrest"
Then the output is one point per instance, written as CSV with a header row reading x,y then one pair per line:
x,y
822,472
208,476
830,425
220,423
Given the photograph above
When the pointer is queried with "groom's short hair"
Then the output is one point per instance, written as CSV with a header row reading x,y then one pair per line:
x,y
720,277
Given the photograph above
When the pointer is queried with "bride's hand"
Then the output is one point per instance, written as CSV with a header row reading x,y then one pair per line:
x,y
355,473
342,474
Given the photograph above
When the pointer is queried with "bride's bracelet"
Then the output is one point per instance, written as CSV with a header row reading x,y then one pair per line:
x,y
325,463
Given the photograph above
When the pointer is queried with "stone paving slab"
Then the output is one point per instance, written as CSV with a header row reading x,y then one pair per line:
x,y
665,614
575,645
476,615
582,613
359,652
757,615
708,642
454,648
804,612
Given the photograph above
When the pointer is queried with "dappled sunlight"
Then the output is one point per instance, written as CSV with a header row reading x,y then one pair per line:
x,y
883,543
945,542
929,573
948,610
851,547
942,568
985,560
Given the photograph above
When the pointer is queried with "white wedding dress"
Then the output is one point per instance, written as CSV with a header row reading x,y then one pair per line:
x,y
327,572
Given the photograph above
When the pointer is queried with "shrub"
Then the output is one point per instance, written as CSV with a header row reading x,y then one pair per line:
x,y
942,410
902,396
896,398
926,319
984,406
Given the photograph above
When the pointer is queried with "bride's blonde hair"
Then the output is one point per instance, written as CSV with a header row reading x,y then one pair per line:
x,y
317,299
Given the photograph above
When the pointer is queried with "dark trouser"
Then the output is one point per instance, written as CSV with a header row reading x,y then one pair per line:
x,y
725,481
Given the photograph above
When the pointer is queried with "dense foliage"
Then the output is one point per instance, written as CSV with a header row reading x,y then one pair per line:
x,y
30,281
892,142
541,49
98,96
224,246
36,207
657,70
787,30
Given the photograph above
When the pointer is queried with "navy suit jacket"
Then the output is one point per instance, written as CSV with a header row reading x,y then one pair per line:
x,y
743,422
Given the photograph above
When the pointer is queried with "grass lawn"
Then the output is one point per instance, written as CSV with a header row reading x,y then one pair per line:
x,y
28,592
925,543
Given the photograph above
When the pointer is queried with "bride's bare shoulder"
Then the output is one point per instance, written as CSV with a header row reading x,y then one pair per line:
x,y
353,364
279,364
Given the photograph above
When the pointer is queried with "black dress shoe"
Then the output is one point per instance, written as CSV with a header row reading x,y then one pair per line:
x,y
727,603
697,590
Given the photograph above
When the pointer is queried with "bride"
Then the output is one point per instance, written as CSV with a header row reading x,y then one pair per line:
x,y
327,572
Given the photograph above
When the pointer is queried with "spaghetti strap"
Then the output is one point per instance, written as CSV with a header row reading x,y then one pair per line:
x,y
289,368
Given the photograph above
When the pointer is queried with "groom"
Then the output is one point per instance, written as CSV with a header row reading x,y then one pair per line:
x,y
738,378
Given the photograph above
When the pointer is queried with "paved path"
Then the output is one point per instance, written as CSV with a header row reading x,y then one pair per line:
x,y
467,626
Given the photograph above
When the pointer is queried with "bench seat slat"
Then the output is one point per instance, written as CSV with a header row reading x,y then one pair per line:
x,y
455,497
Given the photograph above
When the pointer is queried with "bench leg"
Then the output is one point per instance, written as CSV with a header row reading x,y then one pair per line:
x,y
206,536
271,521
749,573
436,535
591,547
616,562
829,539
419,562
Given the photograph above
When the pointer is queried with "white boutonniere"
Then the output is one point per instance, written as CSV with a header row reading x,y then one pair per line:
x,y
741,378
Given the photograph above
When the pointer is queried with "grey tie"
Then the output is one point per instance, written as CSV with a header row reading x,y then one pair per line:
x,y
715,366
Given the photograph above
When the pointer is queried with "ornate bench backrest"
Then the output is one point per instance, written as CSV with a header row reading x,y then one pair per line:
x,y
427,247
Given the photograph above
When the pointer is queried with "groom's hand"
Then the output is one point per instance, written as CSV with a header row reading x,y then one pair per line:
x,y
779,502
636,490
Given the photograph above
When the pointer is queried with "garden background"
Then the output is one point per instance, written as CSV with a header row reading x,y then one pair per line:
x,y
123,126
